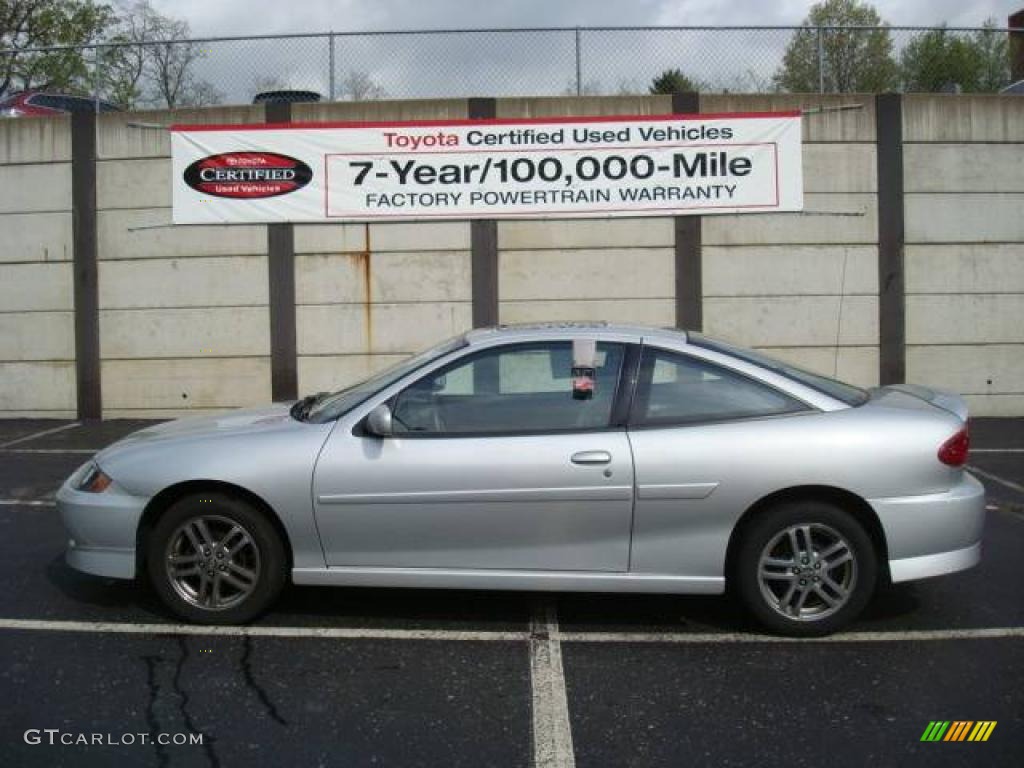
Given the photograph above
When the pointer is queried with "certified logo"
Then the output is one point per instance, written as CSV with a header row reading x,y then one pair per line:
x,y
247,175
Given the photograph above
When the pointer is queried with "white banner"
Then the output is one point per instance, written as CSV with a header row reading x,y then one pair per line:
x,y
461,169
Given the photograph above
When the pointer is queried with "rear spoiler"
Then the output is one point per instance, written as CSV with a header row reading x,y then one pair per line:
x,y
947,401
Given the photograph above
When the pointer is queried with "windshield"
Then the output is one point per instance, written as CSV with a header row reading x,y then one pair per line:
x,y
332,405
846,393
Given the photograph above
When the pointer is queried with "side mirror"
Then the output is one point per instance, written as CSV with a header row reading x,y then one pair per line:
x,y
379,422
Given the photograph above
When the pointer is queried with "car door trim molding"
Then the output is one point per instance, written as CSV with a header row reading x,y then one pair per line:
x,y
572,493
480,578
676,491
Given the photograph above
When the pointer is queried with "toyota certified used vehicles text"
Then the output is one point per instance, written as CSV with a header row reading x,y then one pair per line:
x,y
551,457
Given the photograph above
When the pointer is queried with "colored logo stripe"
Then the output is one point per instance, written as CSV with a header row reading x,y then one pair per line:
x,y
958,730
935,730
982,730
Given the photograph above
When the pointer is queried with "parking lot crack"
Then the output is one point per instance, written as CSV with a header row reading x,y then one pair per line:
x,y
183,702
256,688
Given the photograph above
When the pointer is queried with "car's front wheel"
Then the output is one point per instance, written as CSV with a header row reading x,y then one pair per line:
x,y
215,559
805,569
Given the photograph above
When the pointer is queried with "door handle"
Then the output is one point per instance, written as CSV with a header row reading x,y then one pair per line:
x,y
592,457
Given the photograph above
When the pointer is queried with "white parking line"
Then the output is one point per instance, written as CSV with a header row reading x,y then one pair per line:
x,y
27,503
996,479
918,635
997,450
546,629
45,432
552,733
341,633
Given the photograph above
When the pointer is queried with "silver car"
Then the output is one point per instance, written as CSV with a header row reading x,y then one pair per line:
x,y
585,457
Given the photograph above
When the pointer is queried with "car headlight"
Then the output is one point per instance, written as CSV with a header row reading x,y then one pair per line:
x,y
94,480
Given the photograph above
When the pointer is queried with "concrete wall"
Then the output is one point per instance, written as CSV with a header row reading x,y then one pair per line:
x,y
964,186
184,317
37,332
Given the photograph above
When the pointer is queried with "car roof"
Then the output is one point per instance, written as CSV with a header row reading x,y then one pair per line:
x,y
596,329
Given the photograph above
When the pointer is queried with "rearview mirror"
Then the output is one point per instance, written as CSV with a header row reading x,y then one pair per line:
x,y
379,422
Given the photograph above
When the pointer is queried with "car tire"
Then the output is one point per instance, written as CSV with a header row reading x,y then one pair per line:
x,y
215,559
805,569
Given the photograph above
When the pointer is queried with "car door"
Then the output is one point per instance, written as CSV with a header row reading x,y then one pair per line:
x,y
705,439
496,463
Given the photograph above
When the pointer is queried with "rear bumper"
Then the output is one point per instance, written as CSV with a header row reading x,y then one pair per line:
x,y
933,534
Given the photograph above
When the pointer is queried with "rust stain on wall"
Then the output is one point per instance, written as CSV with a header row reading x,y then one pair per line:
x,y
364,259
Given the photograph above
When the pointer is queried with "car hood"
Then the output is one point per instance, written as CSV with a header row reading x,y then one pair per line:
x,y
243,421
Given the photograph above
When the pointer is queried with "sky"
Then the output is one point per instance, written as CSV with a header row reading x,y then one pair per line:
x,y
242,17
514,64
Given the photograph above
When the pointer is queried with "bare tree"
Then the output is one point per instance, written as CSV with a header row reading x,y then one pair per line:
x,y
158,68
359,86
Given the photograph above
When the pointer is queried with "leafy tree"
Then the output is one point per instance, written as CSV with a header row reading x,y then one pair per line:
x,y
672,81
28,24
938,58
853,59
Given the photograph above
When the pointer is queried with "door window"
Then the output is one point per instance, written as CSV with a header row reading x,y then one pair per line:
x,y
523,388
679,389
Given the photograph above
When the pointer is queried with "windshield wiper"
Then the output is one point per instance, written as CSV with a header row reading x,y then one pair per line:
x,y
300,411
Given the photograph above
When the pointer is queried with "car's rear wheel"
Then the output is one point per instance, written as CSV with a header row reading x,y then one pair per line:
x,y
805,568
215,559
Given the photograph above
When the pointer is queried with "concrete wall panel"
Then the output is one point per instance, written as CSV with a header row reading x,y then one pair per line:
x,y
826,219
185,383
143,183
658,312
35,287
616,273
965,319
963,168
184,333
790,270
35,140
963,118
196,282
148,233
964,218
40,388
393,329
589,233
965,268
794,321
980,369
35,188
35,237
37,336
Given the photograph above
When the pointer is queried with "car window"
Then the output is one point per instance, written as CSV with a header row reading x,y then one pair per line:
x,y
679,389
840,390
522,388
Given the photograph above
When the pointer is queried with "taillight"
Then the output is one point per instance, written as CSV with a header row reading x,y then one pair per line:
x,y
954,451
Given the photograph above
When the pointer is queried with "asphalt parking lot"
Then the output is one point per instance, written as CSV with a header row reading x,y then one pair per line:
x,y
397,678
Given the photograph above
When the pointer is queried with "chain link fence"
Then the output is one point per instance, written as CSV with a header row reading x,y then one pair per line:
x,y
524,62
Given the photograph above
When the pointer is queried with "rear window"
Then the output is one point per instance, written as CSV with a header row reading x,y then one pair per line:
x,y
840,390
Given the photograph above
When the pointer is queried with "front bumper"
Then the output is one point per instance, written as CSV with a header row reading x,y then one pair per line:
x,y
933,534
102,529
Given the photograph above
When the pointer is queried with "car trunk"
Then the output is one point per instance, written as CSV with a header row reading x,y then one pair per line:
x,y
916,396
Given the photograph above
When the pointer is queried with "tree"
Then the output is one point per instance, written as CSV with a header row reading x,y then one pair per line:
x,y
359,86
672,81
938,58
157,68
26,24
848,60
